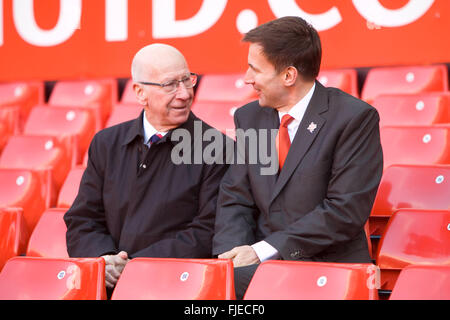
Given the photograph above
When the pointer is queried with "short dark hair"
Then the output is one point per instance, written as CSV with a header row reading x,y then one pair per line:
x,y
289,41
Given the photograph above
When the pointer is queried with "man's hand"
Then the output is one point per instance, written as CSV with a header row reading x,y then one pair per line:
x,y
114,265
241,256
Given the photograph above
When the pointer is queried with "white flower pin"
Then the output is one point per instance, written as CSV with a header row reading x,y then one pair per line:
x,y
312,127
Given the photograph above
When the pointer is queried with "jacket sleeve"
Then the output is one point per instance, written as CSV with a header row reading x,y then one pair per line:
x,y
87,233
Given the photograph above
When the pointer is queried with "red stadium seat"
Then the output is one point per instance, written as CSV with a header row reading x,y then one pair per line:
x,y
409,186
301,280
49,236
423,109
122,113
225,87
411,79
413,236
13,234
422,282
415,145
25,189
63,122
69,189
175,279
93,94
9,123
37,278
344,79
39,153
24,95
218,114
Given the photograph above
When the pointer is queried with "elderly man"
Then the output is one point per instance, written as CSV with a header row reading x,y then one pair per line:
x,y
134,201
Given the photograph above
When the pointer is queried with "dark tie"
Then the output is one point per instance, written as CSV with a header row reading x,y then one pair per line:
x,y
155,138
283,140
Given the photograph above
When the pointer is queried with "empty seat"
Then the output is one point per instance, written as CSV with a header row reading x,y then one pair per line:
x,y
409,186
13,234
218,114
413,236
422,282
9,122
37,278
122,113
24,189
224,87
39,153
344,79
175,279
422,109
411,79
62,122
48,238
69,189
415,145
93,94
301,280
24,95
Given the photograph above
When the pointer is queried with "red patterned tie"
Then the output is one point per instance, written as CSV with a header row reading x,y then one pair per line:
x,y
155,138
283,140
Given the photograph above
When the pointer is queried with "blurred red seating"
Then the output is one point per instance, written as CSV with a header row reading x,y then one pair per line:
x,y
421,109
13,234
69,189
413,236
409,186
122,113
25,189
9,123
415,144
37,278
176,279
301,280
40,153
48,238
411,79
128,95
344,79
218,114
225,87
422,282
94,94
63,122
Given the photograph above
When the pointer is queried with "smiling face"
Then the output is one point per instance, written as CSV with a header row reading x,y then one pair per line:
x,y
164,110
266,81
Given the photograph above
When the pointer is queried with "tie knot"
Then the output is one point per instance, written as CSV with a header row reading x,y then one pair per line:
x,y
285,120
155,138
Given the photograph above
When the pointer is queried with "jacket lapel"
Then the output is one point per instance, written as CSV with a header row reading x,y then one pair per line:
x,y
307,132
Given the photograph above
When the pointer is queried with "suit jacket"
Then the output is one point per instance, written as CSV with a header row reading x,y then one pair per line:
x,y
316,207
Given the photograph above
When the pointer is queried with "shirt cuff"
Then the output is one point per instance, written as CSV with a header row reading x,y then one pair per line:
x,y
265,251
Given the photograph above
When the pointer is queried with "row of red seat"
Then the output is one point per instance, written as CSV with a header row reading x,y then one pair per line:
x,y
212,279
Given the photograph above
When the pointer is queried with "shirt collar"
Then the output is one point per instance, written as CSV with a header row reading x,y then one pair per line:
x,y
149,130
299,109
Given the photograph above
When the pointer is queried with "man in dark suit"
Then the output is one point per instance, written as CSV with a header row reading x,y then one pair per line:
x,y
315,207
136,199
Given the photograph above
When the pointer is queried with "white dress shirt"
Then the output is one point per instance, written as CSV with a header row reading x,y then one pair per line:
x,y
149,130
263,250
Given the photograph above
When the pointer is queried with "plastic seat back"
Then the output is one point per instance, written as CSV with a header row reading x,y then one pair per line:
x,y
225,87
13,234
33,278
24,189
218,114
423,109
69,189
410,79
415,145
175,279
301,280
413,236
9,122
423,282
122,113
49,236
62,122
344,79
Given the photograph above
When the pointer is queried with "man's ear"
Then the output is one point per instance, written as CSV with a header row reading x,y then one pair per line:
x,y
141,95
290,76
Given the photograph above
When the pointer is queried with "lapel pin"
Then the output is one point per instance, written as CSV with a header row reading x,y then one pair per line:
x,y
312,127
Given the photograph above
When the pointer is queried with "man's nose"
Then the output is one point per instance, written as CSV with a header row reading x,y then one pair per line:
x,y
248,78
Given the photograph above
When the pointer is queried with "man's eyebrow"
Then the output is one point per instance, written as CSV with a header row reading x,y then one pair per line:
x,y
253,67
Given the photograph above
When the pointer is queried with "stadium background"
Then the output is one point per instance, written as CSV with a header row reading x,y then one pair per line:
x,y
75,55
